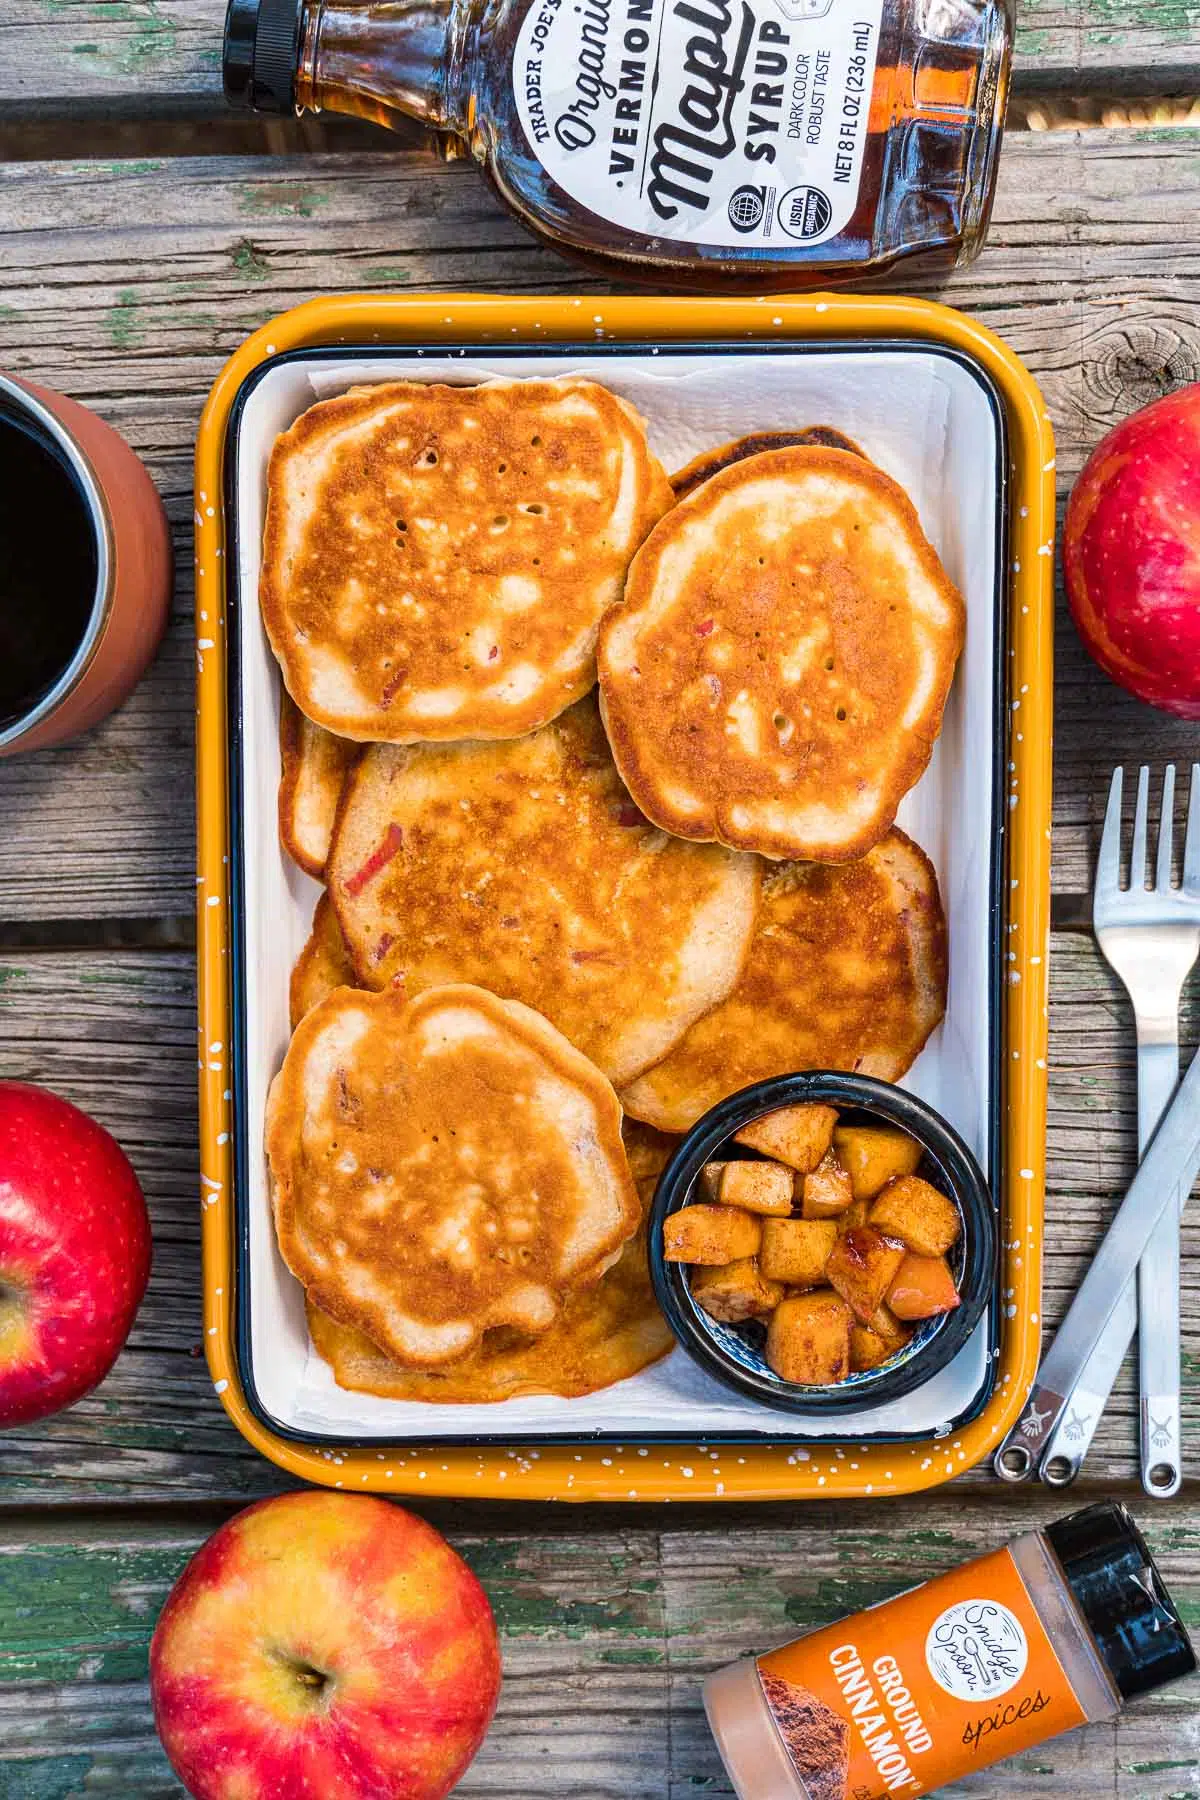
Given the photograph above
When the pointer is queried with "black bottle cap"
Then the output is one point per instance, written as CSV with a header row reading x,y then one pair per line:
x,y
258,61
1112,1575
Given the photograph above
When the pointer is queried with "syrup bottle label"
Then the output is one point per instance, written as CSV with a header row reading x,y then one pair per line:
x,y
730,123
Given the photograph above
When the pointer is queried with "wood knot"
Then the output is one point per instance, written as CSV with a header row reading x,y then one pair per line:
x,y
1139,363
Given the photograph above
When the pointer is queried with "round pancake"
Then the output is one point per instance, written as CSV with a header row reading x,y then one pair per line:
x,y
313,765
436,559
775,676
442,1166
525,867
847,971
604,1334
322,965
710,462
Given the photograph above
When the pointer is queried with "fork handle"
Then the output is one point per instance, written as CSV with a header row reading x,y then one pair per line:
x,y
1071,1439
1158,1294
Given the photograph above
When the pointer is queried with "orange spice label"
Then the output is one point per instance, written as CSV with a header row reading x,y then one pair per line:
x,y
921,1690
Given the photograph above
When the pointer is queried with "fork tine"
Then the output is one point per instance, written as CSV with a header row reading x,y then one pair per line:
x,y
1108,864
1137,856
1191,848
1166,831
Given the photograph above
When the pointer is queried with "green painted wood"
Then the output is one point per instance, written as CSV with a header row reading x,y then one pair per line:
x,y
128,285
146,58
607,1634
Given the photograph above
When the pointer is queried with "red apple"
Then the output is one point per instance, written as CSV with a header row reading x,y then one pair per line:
x,y
1131,553
74,1252
324,1646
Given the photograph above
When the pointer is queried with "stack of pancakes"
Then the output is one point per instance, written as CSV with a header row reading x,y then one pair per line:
x,y
560,921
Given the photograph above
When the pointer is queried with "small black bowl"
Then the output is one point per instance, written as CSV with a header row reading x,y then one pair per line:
x,y
735,1353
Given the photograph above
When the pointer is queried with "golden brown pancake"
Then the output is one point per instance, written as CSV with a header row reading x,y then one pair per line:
x,y
605,1334
442,1166
322,965
710,462
313,765
775,676
648,1152
436,559
525,867
847,971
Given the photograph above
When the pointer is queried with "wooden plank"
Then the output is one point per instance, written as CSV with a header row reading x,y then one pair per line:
x,y
128,287
147,58
607,1634
116,1033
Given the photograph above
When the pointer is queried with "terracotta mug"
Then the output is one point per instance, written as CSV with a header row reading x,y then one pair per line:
x,y
132,544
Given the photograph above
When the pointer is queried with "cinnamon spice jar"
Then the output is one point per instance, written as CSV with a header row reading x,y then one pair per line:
x,y
1059,1628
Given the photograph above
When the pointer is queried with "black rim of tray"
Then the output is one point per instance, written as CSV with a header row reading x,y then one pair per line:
x,y
594,351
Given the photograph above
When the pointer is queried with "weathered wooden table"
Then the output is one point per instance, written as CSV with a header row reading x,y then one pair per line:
x,y
131,268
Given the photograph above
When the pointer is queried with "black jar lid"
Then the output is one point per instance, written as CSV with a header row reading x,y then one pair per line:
x,y
261,48
1112,1575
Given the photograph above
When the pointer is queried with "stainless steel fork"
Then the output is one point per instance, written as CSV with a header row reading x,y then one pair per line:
x,y
1151,938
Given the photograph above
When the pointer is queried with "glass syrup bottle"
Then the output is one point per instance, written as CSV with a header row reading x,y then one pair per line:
x,y
704,144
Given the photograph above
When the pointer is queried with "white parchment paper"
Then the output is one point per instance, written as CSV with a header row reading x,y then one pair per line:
x,y
921,416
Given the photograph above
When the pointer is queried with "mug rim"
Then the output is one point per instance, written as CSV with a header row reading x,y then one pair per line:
x,y
27,402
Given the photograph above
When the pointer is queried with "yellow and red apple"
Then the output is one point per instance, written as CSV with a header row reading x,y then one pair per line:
x,y
74,1252
1131,553
324,1646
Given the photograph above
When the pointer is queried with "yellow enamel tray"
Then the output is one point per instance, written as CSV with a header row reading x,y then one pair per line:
x,y
604,1471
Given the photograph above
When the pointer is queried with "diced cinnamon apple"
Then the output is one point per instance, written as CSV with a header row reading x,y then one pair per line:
x,y
827,1191
873,1154
862,1266
918,1214
736,1292
923,1287
796,1251
884,1323
808,1339
761,1187
867,1349
708,1181
710,1234
855,1214
797,1135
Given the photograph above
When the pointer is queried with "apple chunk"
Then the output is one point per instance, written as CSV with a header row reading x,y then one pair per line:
x,y
862,1266
877,1341
922,1288
761,1187
873,1155
884,1323
797,1250
918,1214
867,1349
736,1292
710,1234
797,1135
827,1190
808,1339
708,1181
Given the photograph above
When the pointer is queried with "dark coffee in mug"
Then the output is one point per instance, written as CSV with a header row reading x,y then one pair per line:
x,y
49,563
85,567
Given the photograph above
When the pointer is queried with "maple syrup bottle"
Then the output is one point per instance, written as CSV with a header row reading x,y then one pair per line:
x,y
712,144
